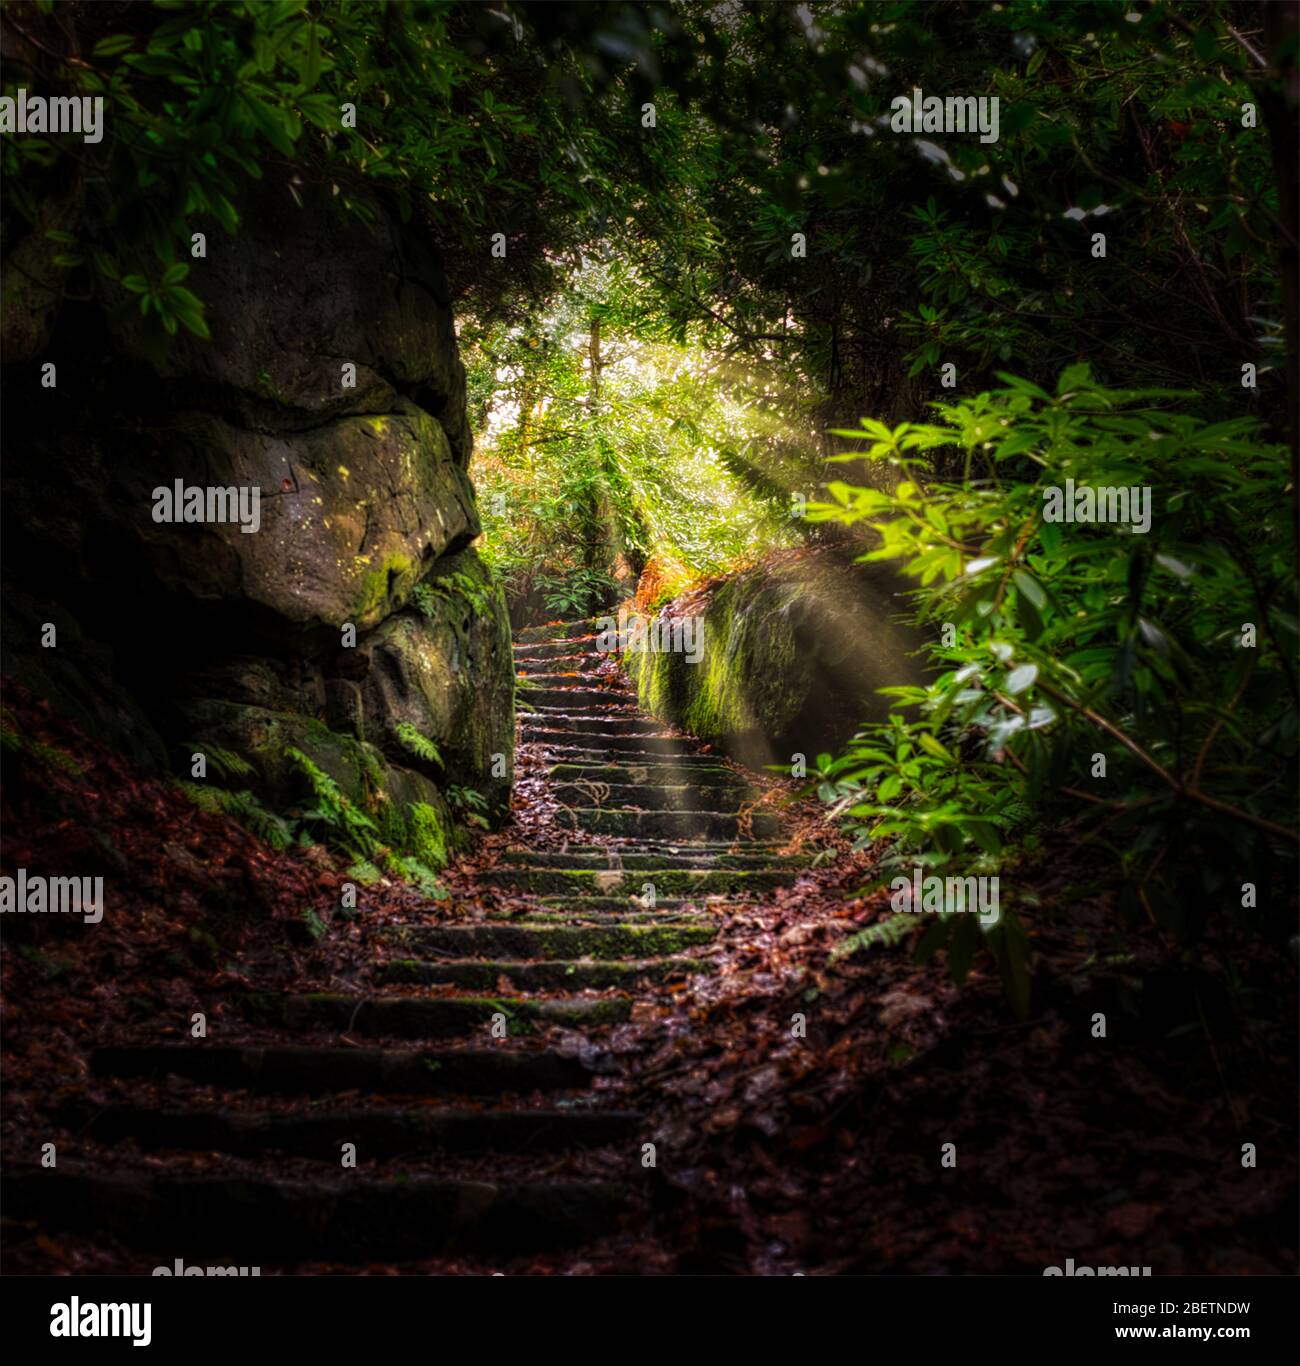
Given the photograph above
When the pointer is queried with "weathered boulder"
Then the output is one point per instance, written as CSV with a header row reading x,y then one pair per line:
x,y
352,512
793,652
445,670
233,641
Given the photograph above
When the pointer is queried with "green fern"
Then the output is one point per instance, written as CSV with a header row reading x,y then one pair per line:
x,y
887,932
246,809
416,743
455,589
11,739
224,763
524,684
466,798
412,870
422,596
470,802
315,925
347,827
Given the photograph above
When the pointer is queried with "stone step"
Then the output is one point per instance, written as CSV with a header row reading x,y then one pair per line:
x,y
423,1017
684,857
577,678
554,975
564,699
614,709
375,1071
647,768
655,796
616,940
678,824
254,1219
556,630
383,1133
571,671
566,750
561,724
684,882
531,652
695,849
686,768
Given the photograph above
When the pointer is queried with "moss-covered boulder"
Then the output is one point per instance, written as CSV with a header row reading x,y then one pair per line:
x,y
794,651
332,387
443,671
281,757
351,513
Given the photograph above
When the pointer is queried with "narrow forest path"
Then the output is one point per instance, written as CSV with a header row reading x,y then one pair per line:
x,y
457,1096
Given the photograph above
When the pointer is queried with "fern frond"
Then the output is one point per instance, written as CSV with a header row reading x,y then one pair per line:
x,y
246,809
417,743
225,763
887,932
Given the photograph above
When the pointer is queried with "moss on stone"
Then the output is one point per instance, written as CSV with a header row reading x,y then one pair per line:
x,y
794,651
428,839
389,584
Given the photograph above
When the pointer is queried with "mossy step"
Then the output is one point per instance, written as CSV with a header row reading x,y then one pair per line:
x,y
680,824
529,652
601,726
376,1071
353,1218
489,940
416,1017
656,796
680,769
601,745
667,881
485,974
683,857
564,698
556,630
613,709
382,1133
574,678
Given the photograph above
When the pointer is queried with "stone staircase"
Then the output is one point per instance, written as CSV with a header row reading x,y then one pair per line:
x,y
463,1070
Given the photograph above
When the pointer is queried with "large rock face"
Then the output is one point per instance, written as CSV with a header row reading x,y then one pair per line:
x,y
352,513
792,654
355,627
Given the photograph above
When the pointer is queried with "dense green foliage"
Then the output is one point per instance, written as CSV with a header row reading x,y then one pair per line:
x,y
607,451
769,120
691,298
1137,682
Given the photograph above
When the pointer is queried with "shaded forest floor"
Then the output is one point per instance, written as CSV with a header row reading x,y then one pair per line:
x,y
775,1153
